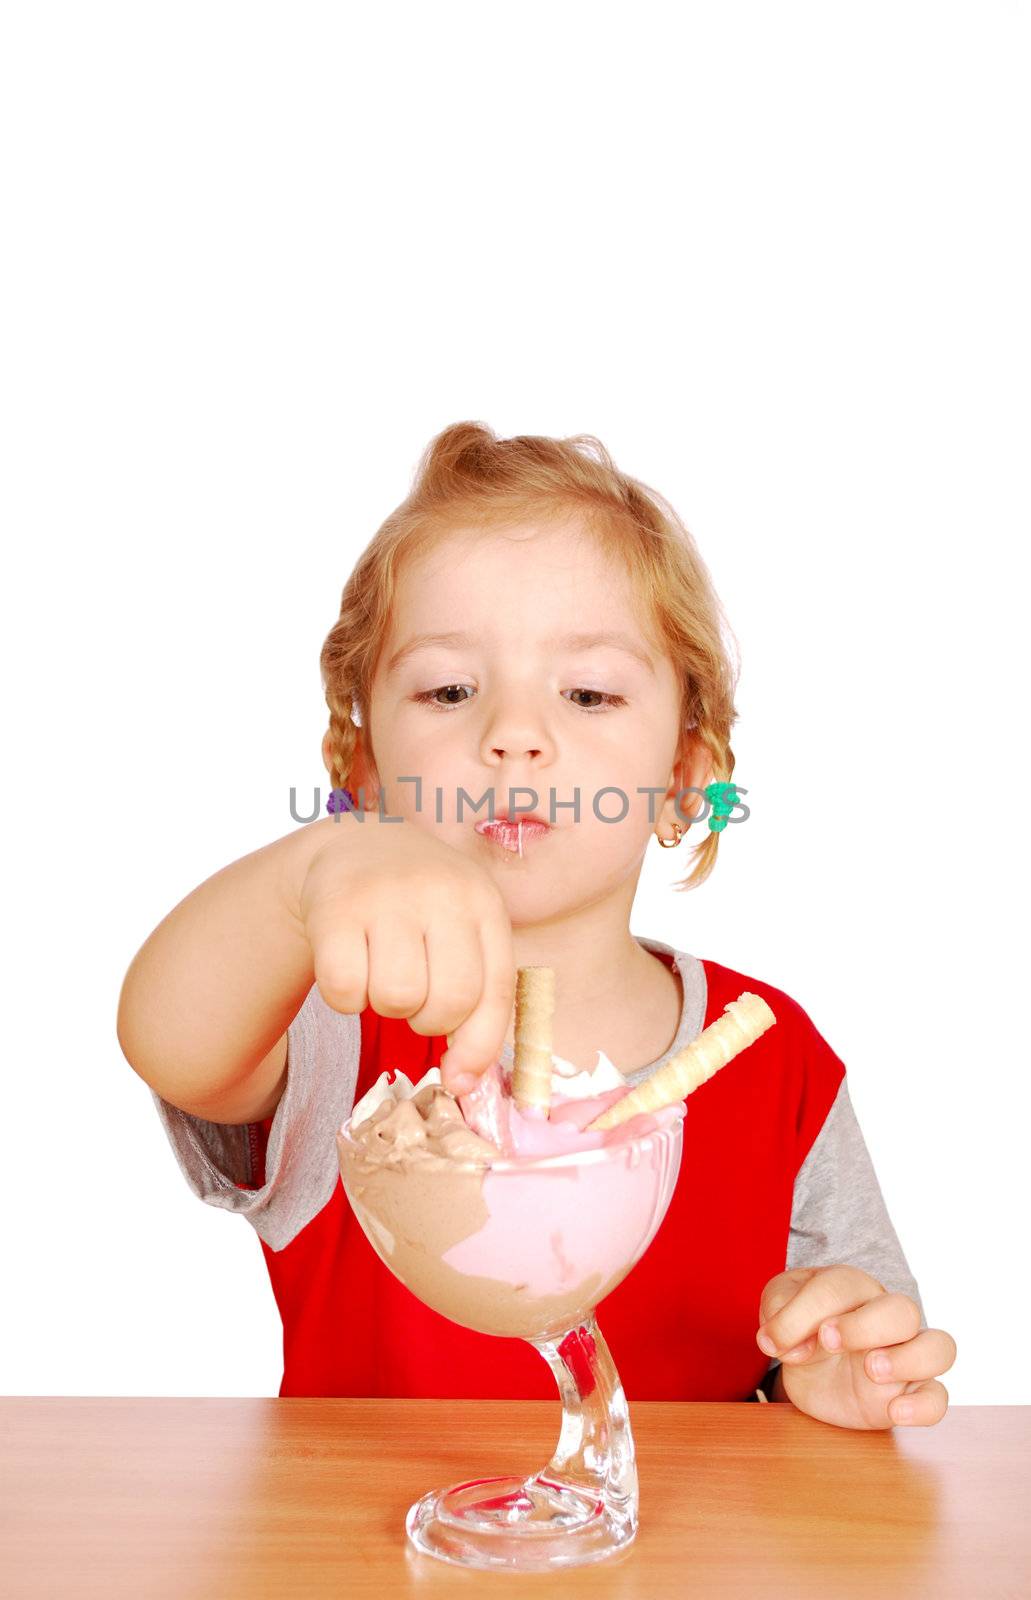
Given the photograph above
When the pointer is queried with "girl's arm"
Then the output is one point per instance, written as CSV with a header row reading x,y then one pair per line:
x,y
207,1000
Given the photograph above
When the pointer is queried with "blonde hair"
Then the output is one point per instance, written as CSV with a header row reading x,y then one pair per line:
x,y
468,477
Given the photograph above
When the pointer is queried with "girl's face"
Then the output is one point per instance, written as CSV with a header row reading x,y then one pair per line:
x,y
517,704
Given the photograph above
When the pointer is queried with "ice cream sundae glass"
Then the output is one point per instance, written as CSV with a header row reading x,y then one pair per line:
x,y
514,1210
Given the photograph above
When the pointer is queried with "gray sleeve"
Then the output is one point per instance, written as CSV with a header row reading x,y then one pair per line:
x,y
838,1212
301,1165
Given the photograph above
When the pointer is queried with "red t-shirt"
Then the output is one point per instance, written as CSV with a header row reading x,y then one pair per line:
x,y
681,1325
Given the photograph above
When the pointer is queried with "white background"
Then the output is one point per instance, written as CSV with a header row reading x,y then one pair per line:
x,y
775,258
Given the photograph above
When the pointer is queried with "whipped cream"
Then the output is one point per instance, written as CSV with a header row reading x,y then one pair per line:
x,y
579,1084
566,1079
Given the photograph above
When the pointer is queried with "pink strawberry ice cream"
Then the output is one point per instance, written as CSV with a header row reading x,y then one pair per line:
x,y
508,1221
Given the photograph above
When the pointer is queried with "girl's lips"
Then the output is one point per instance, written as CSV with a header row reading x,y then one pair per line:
x,y
507,834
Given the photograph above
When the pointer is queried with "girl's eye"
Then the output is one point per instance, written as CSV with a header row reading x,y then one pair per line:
x,y
429,697
613,699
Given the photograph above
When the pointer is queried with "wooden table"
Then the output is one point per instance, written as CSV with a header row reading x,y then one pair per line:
x,y
147,1498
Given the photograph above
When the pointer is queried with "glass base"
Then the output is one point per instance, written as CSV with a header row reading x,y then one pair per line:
x,y
525,1524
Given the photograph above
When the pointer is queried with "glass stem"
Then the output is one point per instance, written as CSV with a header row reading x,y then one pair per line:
x,y
595,1450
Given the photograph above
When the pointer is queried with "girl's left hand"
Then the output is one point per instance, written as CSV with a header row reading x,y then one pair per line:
x,y
852,1354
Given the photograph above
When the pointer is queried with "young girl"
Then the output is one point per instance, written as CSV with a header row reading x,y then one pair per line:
x,y
530,631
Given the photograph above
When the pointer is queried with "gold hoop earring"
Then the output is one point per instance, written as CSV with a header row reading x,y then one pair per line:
x,y
671,844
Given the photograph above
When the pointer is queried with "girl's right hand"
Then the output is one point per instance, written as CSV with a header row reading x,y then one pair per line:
x,y
402,922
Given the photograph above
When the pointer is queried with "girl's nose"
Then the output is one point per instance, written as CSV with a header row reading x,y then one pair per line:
x,y
514,728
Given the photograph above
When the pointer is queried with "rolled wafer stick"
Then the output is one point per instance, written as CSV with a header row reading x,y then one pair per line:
x,y
742,1022
534,1010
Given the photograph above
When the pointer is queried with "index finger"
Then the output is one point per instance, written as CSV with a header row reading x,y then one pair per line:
x,y
828,1292
477,1041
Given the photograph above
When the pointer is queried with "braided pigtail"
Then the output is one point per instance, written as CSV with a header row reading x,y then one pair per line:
x,y
721,767
340,741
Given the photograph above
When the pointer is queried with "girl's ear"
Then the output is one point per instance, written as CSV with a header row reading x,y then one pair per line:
x,y
363,772
692,771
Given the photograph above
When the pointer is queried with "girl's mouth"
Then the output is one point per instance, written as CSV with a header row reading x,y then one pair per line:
x,y
512,835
